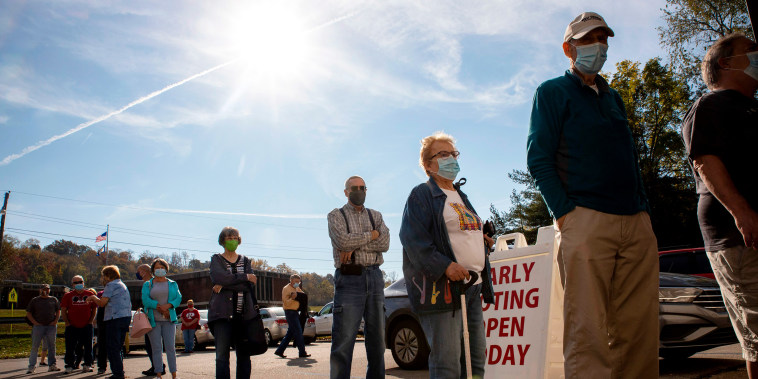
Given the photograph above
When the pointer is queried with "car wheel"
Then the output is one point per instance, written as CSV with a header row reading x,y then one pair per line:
x,y
408,345
270,341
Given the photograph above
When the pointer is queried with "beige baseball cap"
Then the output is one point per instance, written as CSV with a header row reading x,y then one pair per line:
x,y
583,24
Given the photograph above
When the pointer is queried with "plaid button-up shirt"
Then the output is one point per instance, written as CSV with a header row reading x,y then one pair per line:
x,y
365,251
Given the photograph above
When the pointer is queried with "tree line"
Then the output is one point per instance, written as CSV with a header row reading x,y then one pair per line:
x,y
656,97
59,261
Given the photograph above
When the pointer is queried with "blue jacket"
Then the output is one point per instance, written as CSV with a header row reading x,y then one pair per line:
x,y
580,150
426,245
150,305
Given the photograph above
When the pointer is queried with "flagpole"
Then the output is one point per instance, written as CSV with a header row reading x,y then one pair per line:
x,y
107,229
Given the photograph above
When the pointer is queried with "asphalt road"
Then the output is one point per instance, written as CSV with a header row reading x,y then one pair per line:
x,y
721,363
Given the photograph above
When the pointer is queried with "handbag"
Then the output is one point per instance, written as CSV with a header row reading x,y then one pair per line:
x,y
255,338
140,324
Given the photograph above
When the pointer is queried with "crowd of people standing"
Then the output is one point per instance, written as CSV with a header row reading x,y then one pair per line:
x,y
581,154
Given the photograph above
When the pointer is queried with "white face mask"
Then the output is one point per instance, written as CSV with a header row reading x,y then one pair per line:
x,y
752,68
590,58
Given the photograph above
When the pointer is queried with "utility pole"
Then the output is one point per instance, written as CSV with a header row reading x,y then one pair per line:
x,y
2,220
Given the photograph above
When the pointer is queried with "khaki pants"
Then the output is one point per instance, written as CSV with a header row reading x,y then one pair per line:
x,y
609,267
736,270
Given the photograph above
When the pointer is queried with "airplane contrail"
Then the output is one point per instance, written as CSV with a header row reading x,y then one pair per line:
x,y
87,124
7,160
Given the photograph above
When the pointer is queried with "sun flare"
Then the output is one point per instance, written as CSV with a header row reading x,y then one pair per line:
x,y
270,39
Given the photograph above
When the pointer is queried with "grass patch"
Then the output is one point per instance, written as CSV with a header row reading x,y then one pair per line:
x,y
18,347
16,313
24,330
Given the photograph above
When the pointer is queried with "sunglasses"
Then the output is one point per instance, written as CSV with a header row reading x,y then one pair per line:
x,y
79,282
358,188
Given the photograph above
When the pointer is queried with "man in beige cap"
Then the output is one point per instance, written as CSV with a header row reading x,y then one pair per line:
x,y
582,157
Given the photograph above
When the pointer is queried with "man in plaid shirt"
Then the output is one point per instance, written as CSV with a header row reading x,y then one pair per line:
x,y
359,238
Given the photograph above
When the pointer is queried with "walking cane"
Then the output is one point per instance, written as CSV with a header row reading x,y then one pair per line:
x,y
466,347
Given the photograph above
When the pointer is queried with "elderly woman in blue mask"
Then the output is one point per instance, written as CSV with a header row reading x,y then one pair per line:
x,y
160,297
442,242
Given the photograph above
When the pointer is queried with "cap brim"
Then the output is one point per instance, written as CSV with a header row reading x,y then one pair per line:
x,y
583,33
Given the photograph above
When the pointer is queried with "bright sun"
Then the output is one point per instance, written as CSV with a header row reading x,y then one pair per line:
x,y
270,39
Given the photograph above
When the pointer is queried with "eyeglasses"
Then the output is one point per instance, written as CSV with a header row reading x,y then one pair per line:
x,y
445,154
358,188
79,282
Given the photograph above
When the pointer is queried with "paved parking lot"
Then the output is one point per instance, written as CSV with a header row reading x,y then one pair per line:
x,y
721,363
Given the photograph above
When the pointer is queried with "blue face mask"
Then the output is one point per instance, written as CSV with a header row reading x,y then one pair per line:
x,y
78,287
296,285
590,58
448,168
160,272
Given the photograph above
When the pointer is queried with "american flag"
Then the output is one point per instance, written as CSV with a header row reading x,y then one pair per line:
x,y
100,250
101,237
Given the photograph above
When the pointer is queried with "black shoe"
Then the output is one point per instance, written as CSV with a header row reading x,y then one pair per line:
x,y
43,363
280,355
149,372
304,355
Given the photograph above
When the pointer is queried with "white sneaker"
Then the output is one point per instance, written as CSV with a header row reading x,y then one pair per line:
x,y
30,370
69,370
86,368
53,368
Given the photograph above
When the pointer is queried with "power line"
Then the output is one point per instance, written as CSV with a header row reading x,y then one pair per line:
x,y
23,231
146,233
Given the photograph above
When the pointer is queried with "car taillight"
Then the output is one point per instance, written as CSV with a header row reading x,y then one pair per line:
x,y
281,322
311,321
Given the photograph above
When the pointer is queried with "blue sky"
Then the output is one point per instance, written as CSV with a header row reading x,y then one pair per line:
x,y
294,98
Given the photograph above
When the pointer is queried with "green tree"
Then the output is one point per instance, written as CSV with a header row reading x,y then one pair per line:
x,y
656,100
40,275
63,247
528,211
691,26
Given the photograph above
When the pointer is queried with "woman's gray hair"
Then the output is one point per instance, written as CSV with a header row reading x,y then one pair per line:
x,y
228,232
710,68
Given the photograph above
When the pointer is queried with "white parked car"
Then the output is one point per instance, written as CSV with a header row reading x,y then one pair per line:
x,y
275,326
325,318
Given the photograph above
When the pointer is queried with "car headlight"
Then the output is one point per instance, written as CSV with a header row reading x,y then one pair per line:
x,y
678,294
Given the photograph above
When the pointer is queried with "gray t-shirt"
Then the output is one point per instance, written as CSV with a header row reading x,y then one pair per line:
x,y
159,293
43,309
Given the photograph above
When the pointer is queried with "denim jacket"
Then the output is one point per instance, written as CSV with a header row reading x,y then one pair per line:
x,y
150,304
426,244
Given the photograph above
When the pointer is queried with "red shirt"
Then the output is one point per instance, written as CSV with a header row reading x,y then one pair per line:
x,y
79,311
188,315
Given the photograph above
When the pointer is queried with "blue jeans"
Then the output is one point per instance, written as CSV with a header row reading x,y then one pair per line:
x,y
294,332
357,296
227,333
116,330
40,333
78,336
163,336
189,339
444,333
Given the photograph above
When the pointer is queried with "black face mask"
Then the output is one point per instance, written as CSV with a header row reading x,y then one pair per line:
x,y
357,197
